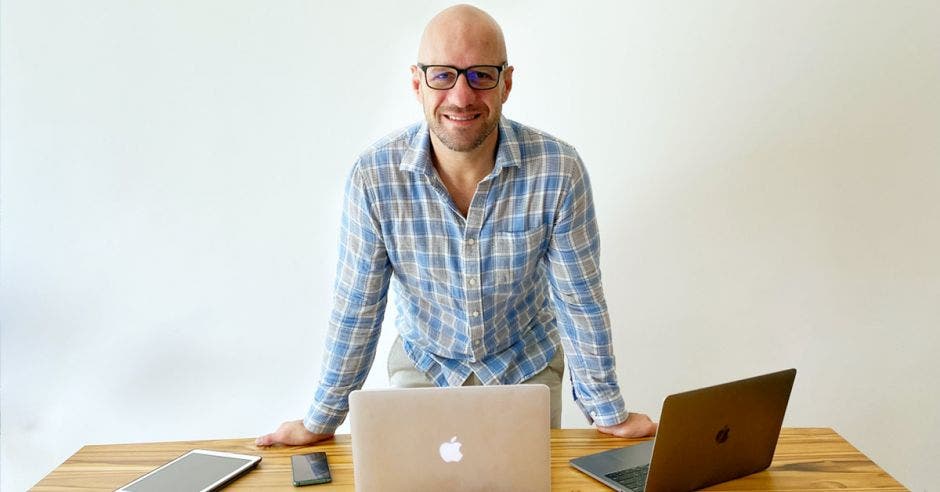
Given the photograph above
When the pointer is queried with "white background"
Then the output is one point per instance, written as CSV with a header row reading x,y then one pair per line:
x,y
766,176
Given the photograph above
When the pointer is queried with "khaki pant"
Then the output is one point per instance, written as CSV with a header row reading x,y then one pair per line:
x,y
403,374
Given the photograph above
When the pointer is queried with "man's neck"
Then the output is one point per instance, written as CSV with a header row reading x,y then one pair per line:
x,y
464,169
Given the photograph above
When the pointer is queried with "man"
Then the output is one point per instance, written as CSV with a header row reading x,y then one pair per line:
x,y
489,229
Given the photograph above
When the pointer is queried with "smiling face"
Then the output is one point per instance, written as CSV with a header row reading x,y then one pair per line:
x,y
462,118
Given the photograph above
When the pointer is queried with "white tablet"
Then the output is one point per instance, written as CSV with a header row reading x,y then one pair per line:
x,y
198,470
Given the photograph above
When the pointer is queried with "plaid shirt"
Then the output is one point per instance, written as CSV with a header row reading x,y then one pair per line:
x,y
486,293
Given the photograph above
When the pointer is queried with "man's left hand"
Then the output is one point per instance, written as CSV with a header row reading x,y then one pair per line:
x,y
637,425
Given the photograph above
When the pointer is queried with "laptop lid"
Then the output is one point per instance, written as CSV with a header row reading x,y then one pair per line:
x,y
706,436
715,434
461,438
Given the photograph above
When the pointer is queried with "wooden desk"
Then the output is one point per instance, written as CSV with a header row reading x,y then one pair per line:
x,y
806,459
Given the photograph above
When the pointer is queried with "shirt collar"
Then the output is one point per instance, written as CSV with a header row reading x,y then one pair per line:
x,y
418,156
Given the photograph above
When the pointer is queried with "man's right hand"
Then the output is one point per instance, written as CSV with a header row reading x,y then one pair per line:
x,y
291,433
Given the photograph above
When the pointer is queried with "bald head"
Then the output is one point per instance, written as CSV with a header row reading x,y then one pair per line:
x,y
460,33
462,118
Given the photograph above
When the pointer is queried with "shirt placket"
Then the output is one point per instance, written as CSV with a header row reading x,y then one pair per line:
x,y
472,267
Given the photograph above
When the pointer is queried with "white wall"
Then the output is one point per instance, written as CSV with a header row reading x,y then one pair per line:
x,y
766,176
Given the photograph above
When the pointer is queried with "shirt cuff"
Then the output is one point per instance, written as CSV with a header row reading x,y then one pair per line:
x,y
606,411
321,419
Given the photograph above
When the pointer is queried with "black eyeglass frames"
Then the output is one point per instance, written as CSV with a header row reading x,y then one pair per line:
x,y
443,77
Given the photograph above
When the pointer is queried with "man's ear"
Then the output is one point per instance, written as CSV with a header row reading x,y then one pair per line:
x,y
507,82
416,82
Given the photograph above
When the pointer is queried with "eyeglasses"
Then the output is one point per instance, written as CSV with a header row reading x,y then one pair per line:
x,y
443,77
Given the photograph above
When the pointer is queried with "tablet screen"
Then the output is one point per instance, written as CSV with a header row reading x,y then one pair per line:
x,y
192,472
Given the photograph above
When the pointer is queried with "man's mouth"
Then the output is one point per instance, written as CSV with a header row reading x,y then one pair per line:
x,y
459,117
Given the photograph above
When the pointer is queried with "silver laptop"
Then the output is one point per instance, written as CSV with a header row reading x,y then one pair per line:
x,y
461,438
706,436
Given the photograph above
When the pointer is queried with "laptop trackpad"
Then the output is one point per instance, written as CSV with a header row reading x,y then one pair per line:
x,y
616,459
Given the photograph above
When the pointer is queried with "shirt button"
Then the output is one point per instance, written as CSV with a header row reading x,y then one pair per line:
x,y
472,281
475,314
476,343
471,241
594,414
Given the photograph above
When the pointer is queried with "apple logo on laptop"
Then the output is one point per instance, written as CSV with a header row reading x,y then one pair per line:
x,y
722,435
450,451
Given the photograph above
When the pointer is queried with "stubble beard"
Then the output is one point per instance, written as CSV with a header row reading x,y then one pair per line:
x,y
460,145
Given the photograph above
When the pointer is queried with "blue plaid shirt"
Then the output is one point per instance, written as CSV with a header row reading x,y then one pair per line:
x,y
488,293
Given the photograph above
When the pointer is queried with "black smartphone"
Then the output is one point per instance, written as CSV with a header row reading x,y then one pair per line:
x,y
310,469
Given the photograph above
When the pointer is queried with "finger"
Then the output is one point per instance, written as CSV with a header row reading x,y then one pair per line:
x,y
265,440
638,430
645,431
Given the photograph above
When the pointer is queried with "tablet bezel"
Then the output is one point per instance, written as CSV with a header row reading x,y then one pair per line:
x,y
250,462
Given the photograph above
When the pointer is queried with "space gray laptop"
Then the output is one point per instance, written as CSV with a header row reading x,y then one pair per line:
x,y
706,436
461,438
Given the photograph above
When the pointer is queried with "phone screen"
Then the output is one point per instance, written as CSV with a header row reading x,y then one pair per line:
x,y
310,469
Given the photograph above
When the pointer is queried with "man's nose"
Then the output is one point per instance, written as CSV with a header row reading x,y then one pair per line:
x,y
461,94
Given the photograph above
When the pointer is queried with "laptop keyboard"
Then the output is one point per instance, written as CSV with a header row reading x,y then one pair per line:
x,y
632,478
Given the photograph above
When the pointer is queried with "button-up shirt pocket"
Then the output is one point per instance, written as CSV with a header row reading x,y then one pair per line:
x,y
517,256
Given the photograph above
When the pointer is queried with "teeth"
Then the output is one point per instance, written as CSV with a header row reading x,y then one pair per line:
x,y
457,118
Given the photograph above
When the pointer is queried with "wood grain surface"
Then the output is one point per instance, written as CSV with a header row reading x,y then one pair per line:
x,y
806,459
